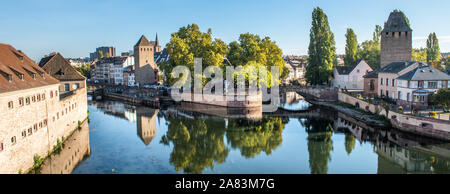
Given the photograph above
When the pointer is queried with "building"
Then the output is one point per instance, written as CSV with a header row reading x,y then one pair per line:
x,y
107,51
157,46
415,86
162,57
387,77
78,62
146,124
35,115
58,67
297,68
128,76
146,70
371,84
110,70
351,77
396,39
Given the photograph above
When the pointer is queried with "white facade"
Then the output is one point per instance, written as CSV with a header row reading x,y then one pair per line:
x,y
352,80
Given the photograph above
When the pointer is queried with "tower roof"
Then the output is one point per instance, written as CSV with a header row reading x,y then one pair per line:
x,y
397,22
143,41
156,40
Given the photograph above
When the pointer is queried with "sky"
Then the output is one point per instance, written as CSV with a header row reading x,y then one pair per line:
x,y
76,27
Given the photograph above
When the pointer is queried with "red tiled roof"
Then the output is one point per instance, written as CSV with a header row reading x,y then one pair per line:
x,y
14,63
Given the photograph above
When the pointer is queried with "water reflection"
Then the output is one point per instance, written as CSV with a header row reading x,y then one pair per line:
x,y
296,139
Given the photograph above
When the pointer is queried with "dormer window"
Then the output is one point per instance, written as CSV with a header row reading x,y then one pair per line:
x,y
9,78
21,77
34,76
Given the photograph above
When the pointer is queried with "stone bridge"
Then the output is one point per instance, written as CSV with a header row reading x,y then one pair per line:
x,y
314,93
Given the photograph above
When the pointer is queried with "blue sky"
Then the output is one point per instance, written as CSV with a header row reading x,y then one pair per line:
x,y
76,27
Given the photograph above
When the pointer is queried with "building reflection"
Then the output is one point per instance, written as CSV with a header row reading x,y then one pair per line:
x,y
146,123
398,152
74,150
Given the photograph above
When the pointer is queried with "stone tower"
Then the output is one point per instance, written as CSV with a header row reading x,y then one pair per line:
x,y
146,70
396,39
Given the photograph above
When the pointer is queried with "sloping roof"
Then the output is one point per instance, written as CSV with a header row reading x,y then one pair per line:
x,y
143,41
345,70
372,74
396,67
13,63
396,23
447,71
58,67
424,73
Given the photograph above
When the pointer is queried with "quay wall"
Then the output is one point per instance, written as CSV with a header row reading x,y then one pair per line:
x,y
430,127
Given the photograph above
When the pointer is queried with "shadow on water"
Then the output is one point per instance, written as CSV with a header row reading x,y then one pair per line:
x,y
298,138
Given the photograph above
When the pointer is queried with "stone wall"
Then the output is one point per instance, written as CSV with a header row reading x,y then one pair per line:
x,y
420,125
32,126
395,47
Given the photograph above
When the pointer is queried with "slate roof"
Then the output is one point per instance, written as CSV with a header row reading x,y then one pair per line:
x,y
143,41
396,67
14,63
345,70
372,74
424,73
396,23
58,67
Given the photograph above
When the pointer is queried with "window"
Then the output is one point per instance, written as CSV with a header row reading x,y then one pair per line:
x,y
432,84
35,127
381,83
422,98
27,100
40,125
10,105
13,140
387,93
38,97
1,146
43,96
45,122
56,93
408,97
24,133
21,77
21,101
372,85
387,82
33,99
393,82
381,92
420,84
51,94
66,87
399,95
444,84
77,85
30,132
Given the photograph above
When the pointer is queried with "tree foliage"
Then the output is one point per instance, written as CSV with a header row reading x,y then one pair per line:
x,y
370,50
85,70
419,54
442,97
433,51
351,48
321,50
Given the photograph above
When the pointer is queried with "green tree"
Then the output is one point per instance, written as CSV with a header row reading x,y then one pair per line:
x,y
446,62
351,47
433,51
85,70
419,54
321,50
370,49
100,54
442,97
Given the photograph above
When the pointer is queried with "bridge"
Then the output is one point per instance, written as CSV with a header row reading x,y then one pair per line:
x,y
313,93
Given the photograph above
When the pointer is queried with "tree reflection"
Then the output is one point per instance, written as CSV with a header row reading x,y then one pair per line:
x,y
349,142
254,137
198,144
319,143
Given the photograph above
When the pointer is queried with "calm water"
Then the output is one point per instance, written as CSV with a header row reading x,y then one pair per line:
x,y
129,139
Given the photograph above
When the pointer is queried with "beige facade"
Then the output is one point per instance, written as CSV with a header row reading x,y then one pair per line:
x,y
34,127
387,85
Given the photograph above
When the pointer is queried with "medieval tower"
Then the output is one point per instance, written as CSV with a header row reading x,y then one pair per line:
x,y
396,39
146,70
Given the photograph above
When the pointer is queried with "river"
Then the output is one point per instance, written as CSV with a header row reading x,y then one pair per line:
x,y
127,139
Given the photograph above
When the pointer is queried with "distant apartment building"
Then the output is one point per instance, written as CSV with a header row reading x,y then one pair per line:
x,y
110,70
78,62
128,76
297,68
351,76
35,113
105,51
415,86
